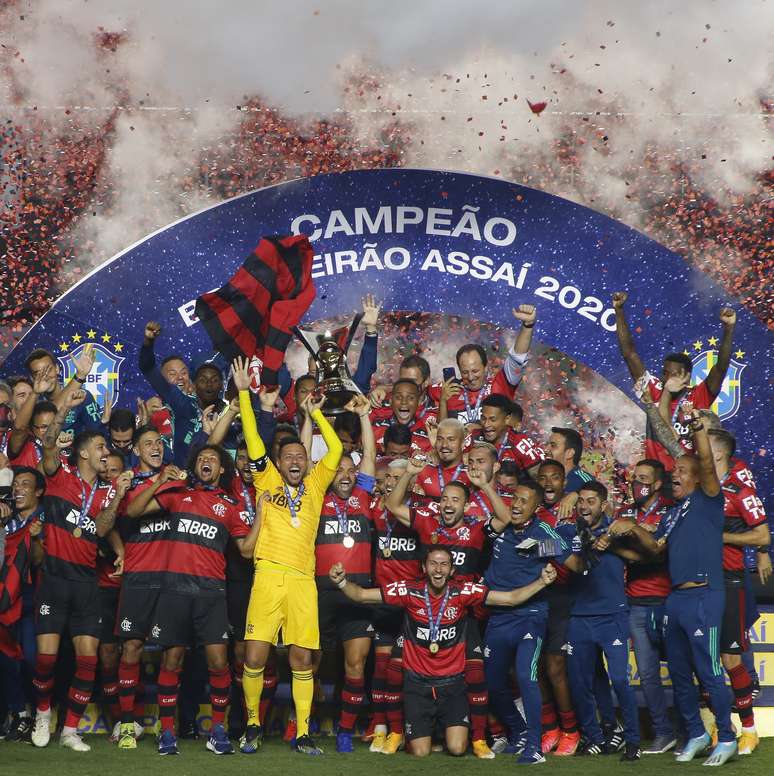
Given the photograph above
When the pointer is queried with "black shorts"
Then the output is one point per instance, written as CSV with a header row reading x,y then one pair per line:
x,y
136,612
734,638
190,620
63,604
108,607
559,607
388,624
428,703
237,599
341,620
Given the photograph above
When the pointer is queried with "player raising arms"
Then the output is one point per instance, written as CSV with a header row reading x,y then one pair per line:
x,y
284,593
434,631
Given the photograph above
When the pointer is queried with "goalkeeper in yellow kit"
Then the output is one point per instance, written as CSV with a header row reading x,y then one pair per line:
x,y
284,594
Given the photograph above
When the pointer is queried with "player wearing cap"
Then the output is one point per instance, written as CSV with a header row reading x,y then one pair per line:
x,y
284,594
434,629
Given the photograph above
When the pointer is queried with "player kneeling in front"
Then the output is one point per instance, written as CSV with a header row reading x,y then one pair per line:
x,y
434,630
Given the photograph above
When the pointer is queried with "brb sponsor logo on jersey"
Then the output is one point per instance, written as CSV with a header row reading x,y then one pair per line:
x,y
195,528
103,380
398,544
333,527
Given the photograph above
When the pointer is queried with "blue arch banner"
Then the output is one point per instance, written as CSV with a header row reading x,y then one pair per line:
x,y
431,241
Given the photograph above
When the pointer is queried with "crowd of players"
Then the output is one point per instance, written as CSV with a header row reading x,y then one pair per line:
x,y
489,584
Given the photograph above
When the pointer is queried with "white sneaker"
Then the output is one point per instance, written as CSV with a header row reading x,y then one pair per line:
x,y
41,730
74,741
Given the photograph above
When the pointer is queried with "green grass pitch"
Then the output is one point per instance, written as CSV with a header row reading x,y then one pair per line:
x,y
276,759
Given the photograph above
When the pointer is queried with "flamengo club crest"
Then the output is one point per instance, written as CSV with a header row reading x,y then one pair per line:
x,y
729,399
103,382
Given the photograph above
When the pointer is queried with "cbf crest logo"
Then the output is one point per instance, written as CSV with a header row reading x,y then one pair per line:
x,y
729,399
103,381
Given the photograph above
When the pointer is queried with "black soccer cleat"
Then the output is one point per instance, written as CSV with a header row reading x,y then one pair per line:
x,y
591,749
306,745
251,739
632,752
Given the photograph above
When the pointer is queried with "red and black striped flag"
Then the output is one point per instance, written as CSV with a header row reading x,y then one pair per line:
x,y
255,312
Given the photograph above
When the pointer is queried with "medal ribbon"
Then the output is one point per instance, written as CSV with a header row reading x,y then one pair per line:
x,y
294,503
85,503
434,623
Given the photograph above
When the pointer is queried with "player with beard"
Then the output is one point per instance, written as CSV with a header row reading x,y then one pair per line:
x,y
434,632
462,399
496,412
191,609
599,622
483,468
78,511
344,536
397,557
284,595
692,532
404,401
449,444
647,586
145,562
676,365
465,538
745,526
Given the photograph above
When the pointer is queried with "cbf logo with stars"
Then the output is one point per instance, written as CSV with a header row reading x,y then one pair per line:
x,y
729,399
103,382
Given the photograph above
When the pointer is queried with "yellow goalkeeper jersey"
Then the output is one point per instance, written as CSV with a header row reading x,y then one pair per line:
x,y
280,541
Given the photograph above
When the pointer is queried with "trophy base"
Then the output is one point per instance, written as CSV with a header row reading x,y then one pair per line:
x,y
338,393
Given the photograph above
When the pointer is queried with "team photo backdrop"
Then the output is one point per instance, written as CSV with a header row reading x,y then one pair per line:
x,y
428,241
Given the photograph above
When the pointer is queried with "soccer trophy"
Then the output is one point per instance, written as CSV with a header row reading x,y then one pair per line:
x,y
329,351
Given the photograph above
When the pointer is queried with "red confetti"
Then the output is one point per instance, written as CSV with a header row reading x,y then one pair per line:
x,y
537,107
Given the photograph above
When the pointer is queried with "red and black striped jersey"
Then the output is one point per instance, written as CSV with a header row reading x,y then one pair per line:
x,y
742,510
452,627
434,478
699,395
145,550
465,541
398,554
71,540
480,507
202,522
740,474
106,567
647,580
518,447
31,454
344,535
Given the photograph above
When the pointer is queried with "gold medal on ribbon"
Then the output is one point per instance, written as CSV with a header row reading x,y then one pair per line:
x,y
434,647
77,532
